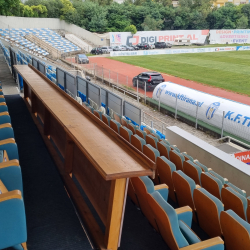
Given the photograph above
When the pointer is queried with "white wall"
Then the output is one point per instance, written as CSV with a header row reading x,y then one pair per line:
x,y
237,172
51,23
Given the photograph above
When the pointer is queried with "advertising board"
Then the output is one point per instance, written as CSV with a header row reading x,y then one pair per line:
x,y
210,108
243,156
177,51
229,36
151,37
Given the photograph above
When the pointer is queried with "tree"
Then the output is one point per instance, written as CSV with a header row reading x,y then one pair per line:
x,y
131,28
7,7
242,22
151,24
39,11
67,6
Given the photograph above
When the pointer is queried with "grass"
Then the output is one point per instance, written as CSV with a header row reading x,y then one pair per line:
x,y
226,70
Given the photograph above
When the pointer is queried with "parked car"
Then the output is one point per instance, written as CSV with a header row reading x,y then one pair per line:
x,y
106,49
135,47
127,47
96,51
151,46
81,59
182,41
162,45
152,79
119,48
143,45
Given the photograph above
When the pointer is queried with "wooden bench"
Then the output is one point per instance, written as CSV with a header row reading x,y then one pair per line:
x,y
101,160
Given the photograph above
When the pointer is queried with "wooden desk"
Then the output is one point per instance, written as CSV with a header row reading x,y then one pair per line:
x,y
99,158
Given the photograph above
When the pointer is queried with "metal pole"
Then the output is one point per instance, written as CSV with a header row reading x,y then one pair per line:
x,y
102,74
152,124
145,88
222,128
196,118
176,108
137,91
109,77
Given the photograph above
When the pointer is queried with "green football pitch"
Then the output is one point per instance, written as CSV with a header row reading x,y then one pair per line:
x,y
226,70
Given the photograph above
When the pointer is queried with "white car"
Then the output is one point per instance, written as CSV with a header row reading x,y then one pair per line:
x,y
106,49
151,46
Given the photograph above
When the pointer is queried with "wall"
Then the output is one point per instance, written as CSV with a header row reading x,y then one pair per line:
x,y
224,164
51,23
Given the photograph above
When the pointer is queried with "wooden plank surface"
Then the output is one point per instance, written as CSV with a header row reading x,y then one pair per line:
x,y
108,153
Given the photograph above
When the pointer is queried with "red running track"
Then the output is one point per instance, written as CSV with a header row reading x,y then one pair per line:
x,y
131,71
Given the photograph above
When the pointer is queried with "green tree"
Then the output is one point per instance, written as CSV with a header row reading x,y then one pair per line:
x,y
39,11
131,28
67,6
8,7
151,24
245,10
242,22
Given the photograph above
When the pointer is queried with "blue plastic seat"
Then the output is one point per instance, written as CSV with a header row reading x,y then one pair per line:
x,y
193,171
187,157
5,119
141,133
236,231
163,148
151,152
208,209
203,167
115,125
165,169
138,142
212,184
3,108
132,127
106,119
150,139
240,191
184,189
11,176
126,133
6,133
177,158
143,186
11,148
175,226
235,201
13,231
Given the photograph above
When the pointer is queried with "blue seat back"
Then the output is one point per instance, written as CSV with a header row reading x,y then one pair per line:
x,y
6,133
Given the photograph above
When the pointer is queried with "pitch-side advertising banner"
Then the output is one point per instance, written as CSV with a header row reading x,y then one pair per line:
x,y
151,37
243,156
229,36
210,108
177,51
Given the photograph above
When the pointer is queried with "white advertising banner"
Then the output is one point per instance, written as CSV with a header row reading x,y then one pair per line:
x,y
229,36
151,37
211,109
177,51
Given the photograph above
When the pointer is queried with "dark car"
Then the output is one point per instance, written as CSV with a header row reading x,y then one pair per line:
x,y
162,45
82,59
143,46
135,47
96,51
152,79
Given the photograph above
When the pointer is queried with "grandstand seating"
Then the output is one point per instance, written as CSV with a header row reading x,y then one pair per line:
x,y
47,35
208,209
181,173
143,186
235,201
13,231
174,226
236,231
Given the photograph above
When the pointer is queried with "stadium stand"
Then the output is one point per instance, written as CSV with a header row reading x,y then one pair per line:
x,y
13,232
177,174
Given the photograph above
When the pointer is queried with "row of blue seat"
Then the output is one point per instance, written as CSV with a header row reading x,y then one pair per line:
x,y
13,232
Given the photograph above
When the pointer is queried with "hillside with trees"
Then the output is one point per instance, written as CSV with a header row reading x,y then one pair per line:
x,y
107,16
